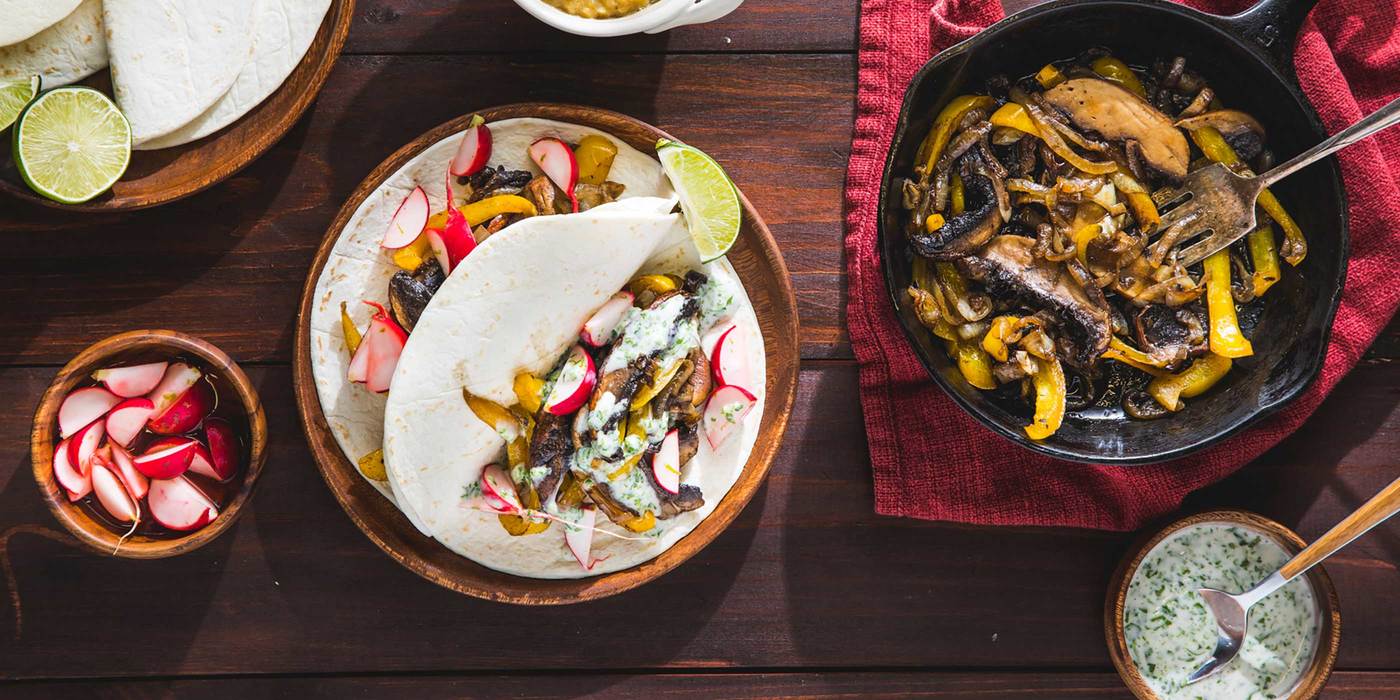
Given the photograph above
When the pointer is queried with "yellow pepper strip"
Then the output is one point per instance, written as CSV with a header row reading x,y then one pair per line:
x,y
1295,246
933,222
648,392
1263,252
528,389
416,253
347,326
1082,238
594,156
642,523
1192,381
1049,76
1133,357
1116,71
1226,339
994,342
957,195
372,466
656,284
943,126
497,417
974,363
1064,151
1139,201
1049,381
487,209
1013,116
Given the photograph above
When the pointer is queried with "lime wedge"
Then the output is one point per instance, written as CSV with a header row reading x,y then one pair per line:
x,y
71,144
14,96
708,197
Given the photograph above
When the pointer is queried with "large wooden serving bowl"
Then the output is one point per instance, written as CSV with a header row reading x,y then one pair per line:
x,y
755,257
168,174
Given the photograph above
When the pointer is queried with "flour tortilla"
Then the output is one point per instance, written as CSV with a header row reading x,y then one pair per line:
x,y
64,53
515,305
173,59
357,269
283,31
22,19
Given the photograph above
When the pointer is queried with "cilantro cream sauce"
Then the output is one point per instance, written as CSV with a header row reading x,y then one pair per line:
x,y
1170,632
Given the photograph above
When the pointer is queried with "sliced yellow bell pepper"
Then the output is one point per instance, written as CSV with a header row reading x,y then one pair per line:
x,y
974,363
649,391
1083,237
347,327
1192,381
994,342
1014,116
1050,390
372,466
594,156
1065,152
529,391
1295,246
1049,76
1263,252
642,523
656,284
934,222
1133,357
943,126
1116,71
1139,202
957,195
1226,338
487,209
414,254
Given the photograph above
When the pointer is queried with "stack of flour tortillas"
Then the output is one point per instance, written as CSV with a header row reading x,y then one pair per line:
x,y
181,69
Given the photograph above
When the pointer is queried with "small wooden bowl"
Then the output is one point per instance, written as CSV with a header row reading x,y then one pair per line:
x,y
165,175
131,348
755,257
1329,634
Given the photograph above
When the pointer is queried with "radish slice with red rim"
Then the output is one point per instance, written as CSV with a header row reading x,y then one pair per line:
x,y
132,381
166,458
579,537
474,150
359,365
187,412
666,463
223,448
730,360
557,162
453,242
602,327
573,385
84,444
178,379
112,494
408,220
179,505
726,410
66,473
499,490
135,482
383,341
125,421
80,408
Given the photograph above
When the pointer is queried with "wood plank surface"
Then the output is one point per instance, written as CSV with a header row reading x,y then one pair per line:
x,y
228,265
807,576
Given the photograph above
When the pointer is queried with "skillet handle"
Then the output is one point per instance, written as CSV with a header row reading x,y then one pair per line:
x,y
1273,26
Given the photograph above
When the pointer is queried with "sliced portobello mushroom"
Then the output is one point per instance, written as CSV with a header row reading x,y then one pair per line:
x,y
963,233
409,293
1117,114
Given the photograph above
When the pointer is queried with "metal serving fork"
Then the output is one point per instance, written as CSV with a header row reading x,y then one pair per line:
x,y
1215,206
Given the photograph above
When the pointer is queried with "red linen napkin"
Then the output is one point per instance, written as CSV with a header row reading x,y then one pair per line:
x,y
1348,57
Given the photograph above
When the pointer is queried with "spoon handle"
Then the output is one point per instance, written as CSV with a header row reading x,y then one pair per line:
x,y
1372,513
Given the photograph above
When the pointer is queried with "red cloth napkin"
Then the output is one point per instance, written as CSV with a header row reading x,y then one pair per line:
x,y
1348,57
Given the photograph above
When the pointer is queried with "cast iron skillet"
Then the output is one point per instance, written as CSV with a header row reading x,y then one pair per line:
x,y
1248,59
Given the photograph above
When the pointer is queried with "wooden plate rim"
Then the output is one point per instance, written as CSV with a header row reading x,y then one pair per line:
x,y
330,37
391,531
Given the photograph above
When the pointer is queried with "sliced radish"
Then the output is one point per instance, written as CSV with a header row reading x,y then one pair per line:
x,y
556,160
178,379
579,537
125,421
84,444
499,490
166,458
601,328
359,365
82,407
201,463
453,242
131,477
730,360
112,494
76,483
666,463
133,381
383,343
726,409
474,150
574,384
223,448
179,505
187,412
409,220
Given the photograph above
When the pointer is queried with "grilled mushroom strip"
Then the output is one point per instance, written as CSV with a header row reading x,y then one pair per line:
x,y
1116,114
409,294
963,233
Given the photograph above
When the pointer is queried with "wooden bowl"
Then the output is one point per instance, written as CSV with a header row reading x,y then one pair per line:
x,y
168,174
1329,634
129,348
756,258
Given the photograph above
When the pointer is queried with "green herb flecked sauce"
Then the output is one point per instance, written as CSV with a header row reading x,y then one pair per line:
x,y
1170,632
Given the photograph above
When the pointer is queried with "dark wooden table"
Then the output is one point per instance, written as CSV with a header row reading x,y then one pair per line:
x,y
809,593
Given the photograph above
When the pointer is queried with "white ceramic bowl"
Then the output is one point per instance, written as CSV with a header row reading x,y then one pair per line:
x,y
660,16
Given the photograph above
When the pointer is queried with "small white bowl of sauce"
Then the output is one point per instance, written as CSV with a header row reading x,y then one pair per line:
x,y
620,17
1159,630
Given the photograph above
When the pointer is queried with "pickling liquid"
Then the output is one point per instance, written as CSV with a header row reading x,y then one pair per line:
x,y
1170,632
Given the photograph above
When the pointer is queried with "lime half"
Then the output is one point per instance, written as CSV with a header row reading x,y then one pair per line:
x,y
13,98
71,144
708,197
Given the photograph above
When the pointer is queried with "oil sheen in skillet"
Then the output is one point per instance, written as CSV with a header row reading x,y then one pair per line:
x,y
1170,632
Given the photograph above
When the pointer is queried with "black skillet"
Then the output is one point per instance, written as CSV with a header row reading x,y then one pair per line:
x,y
1248,59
